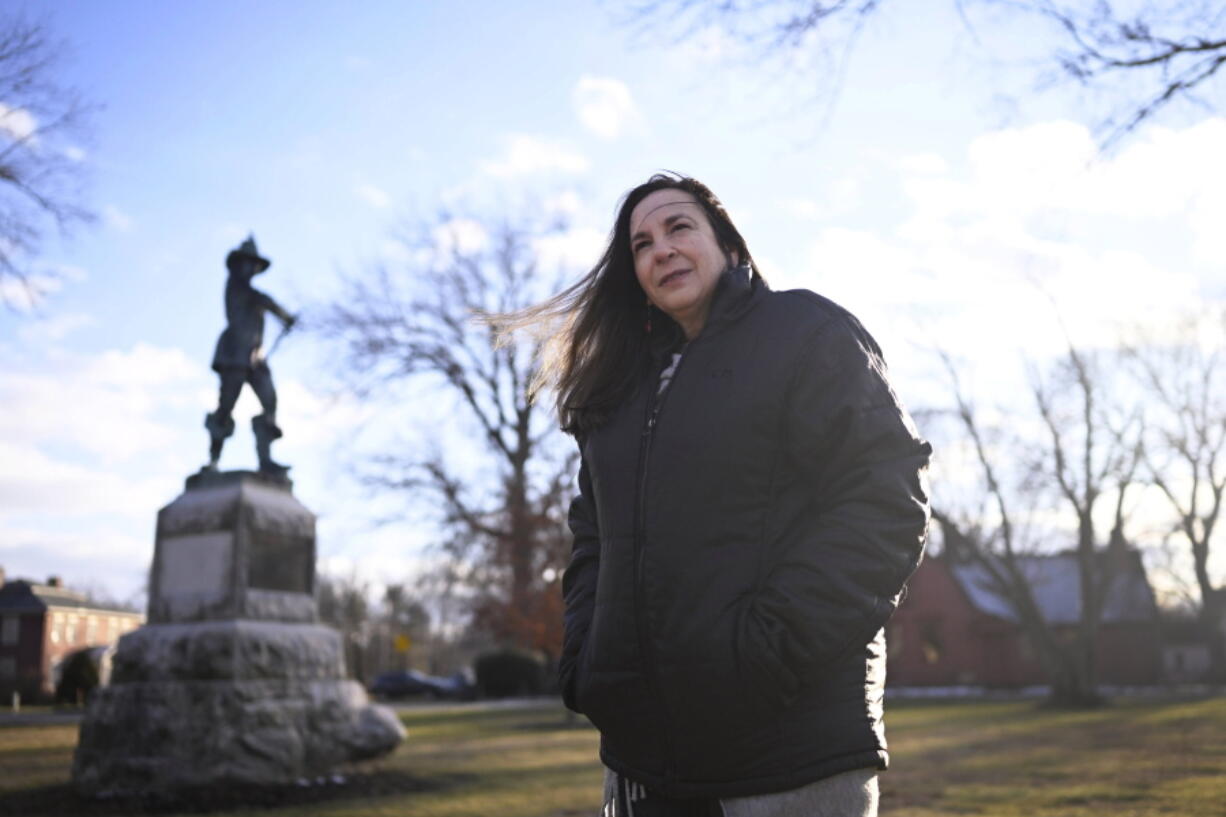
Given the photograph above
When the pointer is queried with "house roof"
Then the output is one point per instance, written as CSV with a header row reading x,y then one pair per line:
x,y
1055,582
28,596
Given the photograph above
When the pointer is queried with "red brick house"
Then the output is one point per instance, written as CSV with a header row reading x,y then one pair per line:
x,y
40,624
953,630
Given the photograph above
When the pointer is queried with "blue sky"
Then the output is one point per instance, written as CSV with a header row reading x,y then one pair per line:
x,y
940,200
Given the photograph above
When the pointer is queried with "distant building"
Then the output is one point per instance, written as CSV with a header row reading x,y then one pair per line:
x,y
954,630
40,624
1186,657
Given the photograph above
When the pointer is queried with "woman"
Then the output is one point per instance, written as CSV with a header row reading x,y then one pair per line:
x,y
752,499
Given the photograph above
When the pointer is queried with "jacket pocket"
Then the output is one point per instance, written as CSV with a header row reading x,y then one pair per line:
x,y
620,706
731,690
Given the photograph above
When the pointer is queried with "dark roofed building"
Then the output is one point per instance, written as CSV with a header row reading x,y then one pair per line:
x,y
1055,582
953,629
40,624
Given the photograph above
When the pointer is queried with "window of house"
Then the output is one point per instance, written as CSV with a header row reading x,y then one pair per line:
x,y
931,644
70,630
9,630
91,630
893,641
8,669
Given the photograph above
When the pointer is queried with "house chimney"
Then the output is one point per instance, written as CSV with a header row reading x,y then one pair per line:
x,y
53,581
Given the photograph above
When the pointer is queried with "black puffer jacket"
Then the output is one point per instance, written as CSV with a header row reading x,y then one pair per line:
x,y
736,559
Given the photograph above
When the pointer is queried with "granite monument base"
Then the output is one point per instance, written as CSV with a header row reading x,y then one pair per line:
x,y
164,735
233,679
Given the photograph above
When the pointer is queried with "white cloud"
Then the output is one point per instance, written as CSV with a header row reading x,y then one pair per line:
x,y
841,196
565,203
801,208
18,123
75,153
709,45
117,219
373,196
1031,230
1053,168
107,406
927,164
32,482
230,234
576,249
52,329
604,106
394,252
102,556
93,446
26,295
312,421
144,365
463,235
526,155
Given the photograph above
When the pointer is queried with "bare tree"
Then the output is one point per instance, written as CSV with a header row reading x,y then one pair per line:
x,y
823,35
1185,444
989,537
344,603
1147,59
1141,60
1092,455
41,175
402,630
505,519
1085,470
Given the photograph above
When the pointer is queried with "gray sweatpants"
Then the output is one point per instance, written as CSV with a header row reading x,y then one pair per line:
x,y
850,794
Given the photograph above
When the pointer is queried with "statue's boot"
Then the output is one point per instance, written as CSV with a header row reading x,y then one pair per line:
x,y
266,431
219,429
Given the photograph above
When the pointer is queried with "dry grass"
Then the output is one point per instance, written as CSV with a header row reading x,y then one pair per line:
x,y
1000,759
32,756
1015,760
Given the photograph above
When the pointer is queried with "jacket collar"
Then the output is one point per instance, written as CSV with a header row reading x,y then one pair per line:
x,y
735,294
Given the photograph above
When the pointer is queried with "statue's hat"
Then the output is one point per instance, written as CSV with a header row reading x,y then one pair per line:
x,y
247,249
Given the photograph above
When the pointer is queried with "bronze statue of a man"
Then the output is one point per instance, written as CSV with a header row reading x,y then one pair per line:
x,y
239,358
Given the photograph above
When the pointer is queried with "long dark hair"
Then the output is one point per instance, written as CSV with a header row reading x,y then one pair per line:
x,y
598,343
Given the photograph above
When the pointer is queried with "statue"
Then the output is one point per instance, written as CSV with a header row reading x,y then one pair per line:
x,y
233,679
240,358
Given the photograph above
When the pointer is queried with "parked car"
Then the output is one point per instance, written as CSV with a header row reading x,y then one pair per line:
x,y
408,683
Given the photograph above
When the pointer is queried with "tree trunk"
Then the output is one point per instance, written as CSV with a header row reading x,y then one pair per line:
x,y
1211,625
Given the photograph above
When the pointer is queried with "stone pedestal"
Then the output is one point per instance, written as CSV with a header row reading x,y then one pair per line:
x,y
232,679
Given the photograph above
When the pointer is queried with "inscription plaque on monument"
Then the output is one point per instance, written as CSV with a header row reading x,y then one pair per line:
x,y
280,562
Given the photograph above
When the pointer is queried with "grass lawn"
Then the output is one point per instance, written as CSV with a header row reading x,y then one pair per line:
x,y
1002,759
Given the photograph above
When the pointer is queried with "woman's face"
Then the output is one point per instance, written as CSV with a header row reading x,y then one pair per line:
x,y
677,258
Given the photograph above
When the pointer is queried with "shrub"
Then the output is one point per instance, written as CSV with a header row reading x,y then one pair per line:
x,y
78,677
509,671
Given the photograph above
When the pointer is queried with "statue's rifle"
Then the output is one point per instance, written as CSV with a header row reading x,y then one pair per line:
x,y
285,327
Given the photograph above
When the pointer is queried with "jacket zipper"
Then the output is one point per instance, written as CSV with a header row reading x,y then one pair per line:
x,y
655,405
